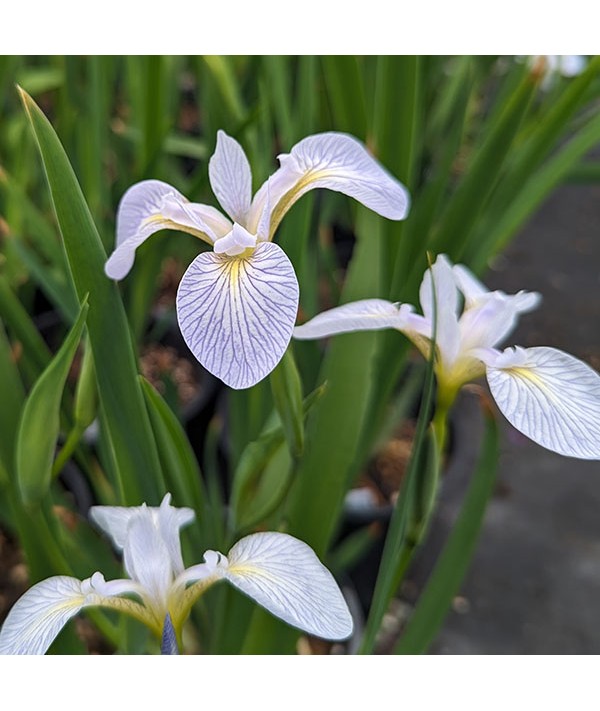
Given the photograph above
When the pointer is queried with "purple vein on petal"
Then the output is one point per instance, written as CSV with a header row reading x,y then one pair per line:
x,y
237,314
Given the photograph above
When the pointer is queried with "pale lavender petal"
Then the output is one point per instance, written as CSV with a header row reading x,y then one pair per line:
x,y
237,313
40,614
364,315
284,575
550,396
150,206
230,177
336,161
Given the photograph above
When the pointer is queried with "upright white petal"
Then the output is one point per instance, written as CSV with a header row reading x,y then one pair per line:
x,y
114,520
364,315
147,559
446,299
230,177
169,521
237,314
150,206
551,397
487,324
285,576
40,614
336,161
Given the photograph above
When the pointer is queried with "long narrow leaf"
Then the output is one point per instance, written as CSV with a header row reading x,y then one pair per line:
x,y
40,423
450,569
118,387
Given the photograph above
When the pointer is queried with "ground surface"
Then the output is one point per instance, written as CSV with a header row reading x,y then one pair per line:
x,y
534,584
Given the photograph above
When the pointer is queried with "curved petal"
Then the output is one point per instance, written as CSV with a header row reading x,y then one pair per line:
x,y
285,576
40,614
150,206
336,161
237,313
551,397
170,520
446,300
147,559
364,315
489,323
114,520
230,177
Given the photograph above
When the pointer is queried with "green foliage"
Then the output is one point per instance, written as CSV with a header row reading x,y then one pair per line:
x,y
479,142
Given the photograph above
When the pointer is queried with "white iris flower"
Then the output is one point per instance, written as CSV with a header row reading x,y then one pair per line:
x,y
548,395
552,65
237,305
276,570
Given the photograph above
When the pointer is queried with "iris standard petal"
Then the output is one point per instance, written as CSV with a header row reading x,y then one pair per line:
x,y
237,313
284,575
446,299
230,177
170,520
551,397
336,161
364,315
150,206
40,614
147,559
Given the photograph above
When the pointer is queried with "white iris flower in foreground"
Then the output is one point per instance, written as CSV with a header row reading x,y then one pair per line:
x,y
237,305
276,570
548,395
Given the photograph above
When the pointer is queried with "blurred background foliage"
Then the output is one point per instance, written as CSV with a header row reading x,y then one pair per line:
x,y
479,141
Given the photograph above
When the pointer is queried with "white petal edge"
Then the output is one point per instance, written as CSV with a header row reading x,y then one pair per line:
x,y
237,314
150,206
113,520
363,315
336,161
554,399
230,177
446,316
39,615
147,559
284,575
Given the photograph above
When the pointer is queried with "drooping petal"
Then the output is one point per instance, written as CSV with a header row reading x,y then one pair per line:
x,y
336,161
237,313
285,576
150,206
446,312
230,177
40,614
550,396
364,315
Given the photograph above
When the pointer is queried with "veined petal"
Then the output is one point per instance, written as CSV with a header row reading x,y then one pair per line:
x,y
40,614
150,206
446,296
230,177
336,161
237,313
285,576
364,315
551,397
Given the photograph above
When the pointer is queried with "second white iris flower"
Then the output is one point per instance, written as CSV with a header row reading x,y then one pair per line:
x,y
547,394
